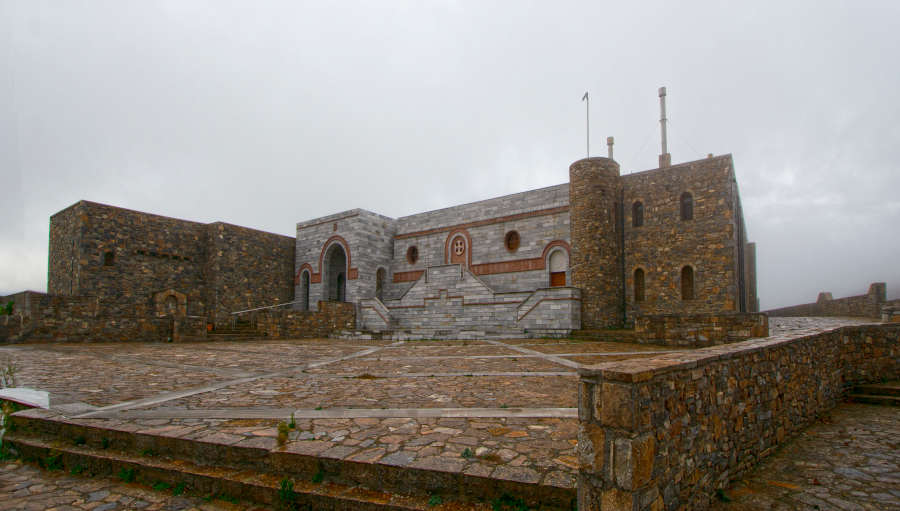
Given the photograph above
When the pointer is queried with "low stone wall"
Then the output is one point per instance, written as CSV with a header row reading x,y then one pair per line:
x,y
700,330
53,318
666,432
865,306
330,318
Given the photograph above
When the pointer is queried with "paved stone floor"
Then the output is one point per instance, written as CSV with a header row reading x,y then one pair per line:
x,y
505,410
849,461
26,487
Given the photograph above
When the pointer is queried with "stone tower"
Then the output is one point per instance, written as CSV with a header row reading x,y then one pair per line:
x,y
594,191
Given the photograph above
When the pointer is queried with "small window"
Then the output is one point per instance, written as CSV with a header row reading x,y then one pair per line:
x,y
109,258
512,241
687,206
412,254
639,285
687,283
637,214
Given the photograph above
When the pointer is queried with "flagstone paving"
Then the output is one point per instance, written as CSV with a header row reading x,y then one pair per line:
x,y
504,410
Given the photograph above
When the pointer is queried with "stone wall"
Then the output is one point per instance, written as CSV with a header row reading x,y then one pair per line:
x,y
867,306
329,318
700,330
124,257
711,242
666,432
55,318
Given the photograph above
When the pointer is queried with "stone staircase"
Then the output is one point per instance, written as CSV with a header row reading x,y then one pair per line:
x,y
887,394
242,330
261,474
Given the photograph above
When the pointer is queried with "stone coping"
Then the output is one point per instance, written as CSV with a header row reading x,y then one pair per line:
x,y
643,369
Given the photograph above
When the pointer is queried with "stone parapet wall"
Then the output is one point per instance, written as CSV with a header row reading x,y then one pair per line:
x,y
667,432
865,306
553,308
330,318
700,330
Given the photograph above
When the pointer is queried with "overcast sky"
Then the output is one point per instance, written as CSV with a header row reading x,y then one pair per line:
x,y
264,114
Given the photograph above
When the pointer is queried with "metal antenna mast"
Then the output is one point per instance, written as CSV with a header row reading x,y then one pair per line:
x,y
587,115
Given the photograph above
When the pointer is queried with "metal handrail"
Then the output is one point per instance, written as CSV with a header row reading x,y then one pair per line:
x,y
266,307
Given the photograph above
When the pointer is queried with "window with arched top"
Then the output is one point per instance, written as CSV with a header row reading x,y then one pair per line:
x,y
304,290
559,263
687,283
637,214
687,206
412,254
639,285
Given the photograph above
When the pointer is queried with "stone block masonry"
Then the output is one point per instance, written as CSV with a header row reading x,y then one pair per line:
x,y
667,432
700,330
330,317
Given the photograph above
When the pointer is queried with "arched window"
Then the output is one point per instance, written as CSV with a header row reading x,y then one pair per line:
x,y
512,241
559,263
637,214
379,283
639,285
412,254
304,290
687,206
687,283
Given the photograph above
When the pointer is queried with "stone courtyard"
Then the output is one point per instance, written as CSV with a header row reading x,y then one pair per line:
x,y
497,412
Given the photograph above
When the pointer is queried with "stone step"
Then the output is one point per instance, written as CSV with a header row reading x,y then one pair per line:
x,y
38,428
622,335
884,400
879,389
260,488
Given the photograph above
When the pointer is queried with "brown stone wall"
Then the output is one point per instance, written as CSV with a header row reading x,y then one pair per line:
x,y
247,268
56,318
65,250
594,188
666,432
865,306
700,330
331,317
710,242
150,253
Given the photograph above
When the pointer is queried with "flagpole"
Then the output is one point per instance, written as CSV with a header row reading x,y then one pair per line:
x,y
587,116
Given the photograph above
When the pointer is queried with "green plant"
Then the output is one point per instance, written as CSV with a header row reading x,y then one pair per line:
x,y
228,498
293,423
720,494
148,452
507,502
8,308
52,462
467,453
126,475
161,486
104,443
8,373
178,490
286,496
318,408
503,405
77,470
80,440
319,476
283,431
435,500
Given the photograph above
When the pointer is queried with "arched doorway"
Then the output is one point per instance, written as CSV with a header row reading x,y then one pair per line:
x,y
335,273
458,249
380,276
559,263
304,290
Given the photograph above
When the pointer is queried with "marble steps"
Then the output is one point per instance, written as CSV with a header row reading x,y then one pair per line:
x,y
254,471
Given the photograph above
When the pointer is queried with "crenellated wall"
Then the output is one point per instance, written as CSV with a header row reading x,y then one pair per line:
x,y
866,306
667,432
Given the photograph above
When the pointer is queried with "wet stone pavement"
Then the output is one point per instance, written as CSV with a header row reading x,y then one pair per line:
x,y
849,461
505,410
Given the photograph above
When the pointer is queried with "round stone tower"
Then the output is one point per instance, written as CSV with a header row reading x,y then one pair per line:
x,y
594,191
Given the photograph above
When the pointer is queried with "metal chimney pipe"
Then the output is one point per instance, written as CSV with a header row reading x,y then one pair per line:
x,y
665,159
609,146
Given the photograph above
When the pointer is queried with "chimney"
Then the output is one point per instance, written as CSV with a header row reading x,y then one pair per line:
x,y
609,147
665,159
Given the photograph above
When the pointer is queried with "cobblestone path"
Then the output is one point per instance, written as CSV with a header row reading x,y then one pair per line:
x,y
26,487
849,461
